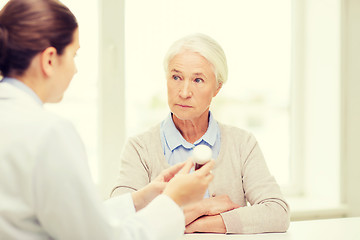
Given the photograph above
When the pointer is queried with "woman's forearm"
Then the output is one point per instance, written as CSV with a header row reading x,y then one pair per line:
x,y
207,224
193,211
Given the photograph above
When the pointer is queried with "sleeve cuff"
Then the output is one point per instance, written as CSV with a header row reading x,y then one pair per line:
x,y
118,208
166,218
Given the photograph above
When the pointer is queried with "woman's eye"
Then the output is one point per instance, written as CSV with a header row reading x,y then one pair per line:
x,y
175,77
198,80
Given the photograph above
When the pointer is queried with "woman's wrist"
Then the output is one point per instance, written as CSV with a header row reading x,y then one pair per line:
x,y
145,195
193,211
138,199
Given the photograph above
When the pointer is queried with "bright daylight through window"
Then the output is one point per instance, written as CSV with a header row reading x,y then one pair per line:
x,y
80,100
256,38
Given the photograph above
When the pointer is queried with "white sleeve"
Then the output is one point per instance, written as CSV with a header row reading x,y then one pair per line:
x,y
68,206
121,204
162,219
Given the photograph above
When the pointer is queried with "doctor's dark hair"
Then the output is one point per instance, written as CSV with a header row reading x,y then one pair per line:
x,y
28,27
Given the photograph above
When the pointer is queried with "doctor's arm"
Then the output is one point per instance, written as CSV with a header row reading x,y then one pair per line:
x,y
145,195
68,206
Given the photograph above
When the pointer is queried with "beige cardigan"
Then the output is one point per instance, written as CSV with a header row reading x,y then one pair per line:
x,y
240,172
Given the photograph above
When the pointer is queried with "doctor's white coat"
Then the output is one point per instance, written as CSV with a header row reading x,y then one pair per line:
x,y
46,191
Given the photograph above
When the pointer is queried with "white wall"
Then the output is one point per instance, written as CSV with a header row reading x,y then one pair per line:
x,y
111,92
317,49
321,122
351,106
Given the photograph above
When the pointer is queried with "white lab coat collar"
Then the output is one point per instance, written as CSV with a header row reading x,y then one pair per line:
x,y
10,92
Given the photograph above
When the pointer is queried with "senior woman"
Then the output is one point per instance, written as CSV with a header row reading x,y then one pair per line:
x,y
243,197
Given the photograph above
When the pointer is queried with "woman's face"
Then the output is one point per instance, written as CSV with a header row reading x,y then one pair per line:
x,y
191,85
65,69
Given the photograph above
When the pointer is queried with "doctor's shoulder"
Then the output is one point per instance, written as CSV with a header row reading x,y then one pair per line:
x,y
61,126
47,125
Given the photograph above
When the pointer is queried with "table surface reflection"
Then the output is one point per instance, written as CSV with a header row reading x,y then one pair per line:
x,y
328,229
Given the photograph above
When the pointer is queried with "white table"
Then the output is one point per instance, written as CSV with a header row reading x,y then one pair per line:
x,y
329,229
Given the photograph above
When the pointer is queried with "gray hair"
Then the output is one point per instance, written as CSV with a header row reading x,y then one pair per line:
x,y
206,47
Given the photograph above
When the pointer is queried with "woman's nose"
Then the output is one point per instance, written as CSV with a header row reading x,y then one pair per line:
x,y
185,90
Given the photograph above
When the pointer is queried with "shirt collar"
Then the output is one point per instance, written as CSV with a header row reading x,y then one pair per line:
x,y
174,138
23,87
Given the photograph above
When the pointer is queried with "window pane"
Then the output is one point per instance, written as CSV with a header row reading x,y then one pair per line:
x,y
80,100
255,36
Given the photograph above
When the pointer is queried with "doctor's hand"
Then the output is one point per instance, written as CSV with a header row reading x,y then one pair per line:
x,y
144,196
167,174
185,188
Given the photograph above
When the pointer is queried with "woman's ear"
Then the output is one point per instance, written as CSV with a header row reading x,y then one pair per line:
x,y
218,89
48,58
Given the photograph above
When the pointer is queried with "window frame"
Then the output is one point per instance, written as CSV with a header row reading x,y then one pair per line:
x,y
112,101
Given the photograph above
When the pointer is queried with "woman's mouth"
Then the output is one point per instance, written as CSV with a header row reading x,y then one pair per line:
x,y
184,106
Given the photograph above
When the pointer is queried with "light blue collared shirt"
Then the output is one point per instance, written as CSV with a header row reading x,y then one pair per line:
x,y
23,87
177,149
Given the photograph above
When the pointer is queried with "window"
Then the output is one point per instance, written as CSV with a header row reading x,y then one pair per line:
x,y
316,100
284,83
256,38
80,101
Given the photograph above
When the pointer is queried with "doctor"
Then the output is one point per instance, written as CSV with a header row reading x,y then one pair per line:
x,y
46,191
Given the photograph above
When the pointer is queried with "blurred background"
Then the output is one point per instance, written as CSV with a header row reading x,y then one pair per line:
x,y
293,82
